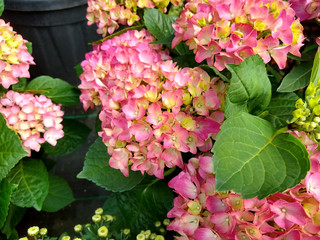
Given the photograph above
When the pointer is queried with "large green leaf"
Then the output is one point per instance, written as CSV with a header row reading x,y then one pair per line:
x,y
75,134
280,109
56,89
15,215
1,6
6,190
59,195
158,24
253,159
298,78
96,169
250,88
142,206
31,176
11,150
315,74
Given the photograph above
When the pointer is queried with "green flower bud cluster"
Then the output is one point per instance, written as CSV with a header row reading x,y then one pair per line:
x,y
36,233
306,117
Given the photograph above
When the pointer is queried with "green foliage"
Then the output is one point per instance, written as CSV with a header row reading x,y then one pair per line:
x,y
96,169
56,89
160,26
20,85
315,74
1,6
296,79
29,47
280,109
31,178
78,69
11,150
140,207
15,215
250,88
6,190
75,134
59,195
253,159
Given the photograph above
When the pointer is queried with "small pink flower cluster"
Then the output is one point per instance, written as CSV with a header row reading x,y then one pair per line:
x,y
14,56
227,31
151,110
34,118
200,212
109,14
306,9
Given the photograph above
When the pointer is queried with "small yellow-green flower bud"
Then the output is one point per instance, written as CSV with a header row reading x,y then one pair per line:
x,y
108,218
66,238
159,237
316,119
194,207
141,236
316,110
24,238
78,228
87,225
103,231
33,231
166,222
153,236
126,231
157,224
77,239
96,218
99,211
43,231
162,230
147,233
313,125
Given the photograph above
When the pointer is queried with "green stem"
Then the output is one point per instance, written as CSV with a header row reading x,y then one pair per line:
x,y
79,116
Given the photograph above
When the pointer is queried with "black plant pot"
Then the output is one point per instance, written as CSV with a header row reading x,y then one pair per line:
x,y
58,31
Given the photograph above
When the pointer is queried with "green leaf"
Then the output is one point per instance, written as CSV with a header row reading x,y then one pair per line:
x,y
29,47
75,134
1,6
186,61
11,150
56,89
31,176
253,159
217,72
96,169
78,69
280,109
315,74
59,195
298,78
20,85
15,215
250,88
6,190
159,24
142,206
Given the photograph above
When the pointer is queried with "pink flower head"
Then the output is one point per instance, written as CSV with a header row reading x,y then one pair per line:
x,y
35,118
306,9
150,107
15,58
224,32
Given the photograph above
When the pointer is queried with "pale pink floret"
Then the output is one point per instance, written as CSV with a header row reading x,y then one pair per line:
x,y
35,118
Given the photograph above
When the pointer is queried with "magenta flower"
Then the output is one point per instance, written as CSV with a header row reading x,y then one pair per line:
x,y
306,9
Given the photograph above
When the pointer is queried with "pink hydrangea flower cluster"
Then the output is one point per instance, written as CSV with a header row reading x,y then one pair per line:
x,y
108,14
151,110
14,56
306,9
227,31
200,212
34,118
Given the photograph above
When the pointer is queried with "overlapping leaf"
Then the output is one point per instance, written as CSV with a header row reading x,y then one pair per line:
x,y
250,87
11,150
59,195
57,90
31,177
96,169
253,159
6,190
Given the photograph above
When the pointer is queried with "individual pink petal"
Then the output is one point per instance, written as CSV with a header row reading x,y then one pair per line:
x,y
205,234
